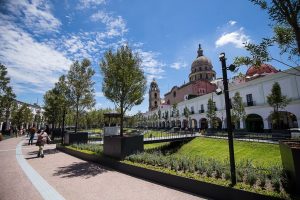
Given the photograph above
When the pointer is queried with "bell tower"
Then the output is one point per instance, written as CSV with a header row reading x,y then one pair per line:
x,y
154,96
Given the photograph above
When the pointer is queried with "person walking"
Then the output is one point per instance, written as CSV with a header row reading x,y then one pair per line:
x,y
32,131
41,141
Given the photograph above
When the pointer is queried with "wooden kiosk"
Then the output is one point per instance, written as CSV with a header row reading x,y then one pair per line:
x,y
118,146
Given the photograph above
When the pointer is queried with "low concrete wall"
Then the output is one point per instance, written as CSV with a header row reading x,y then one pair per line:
x,y
181,183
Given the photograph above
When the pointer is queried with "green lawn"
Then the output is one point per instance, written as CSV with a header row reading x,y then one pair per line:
x,y
150,134
95,130
261,154
155,145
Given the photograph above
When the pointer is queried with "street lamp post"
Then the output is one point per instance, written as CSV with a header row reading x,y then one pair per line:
x,y
228,117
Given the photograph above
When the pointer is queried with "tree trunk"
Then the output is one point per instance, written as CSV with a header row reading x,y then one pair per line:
x,y
297,33
121,122
63,126
76,120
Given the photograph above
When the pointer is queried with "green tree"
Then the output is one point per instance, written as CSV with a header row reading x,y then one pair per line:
x,y
186,113
159,114
63,92
285,14
124,82
238,110
277,101
51,106
7,96
21,115
81,91
211,113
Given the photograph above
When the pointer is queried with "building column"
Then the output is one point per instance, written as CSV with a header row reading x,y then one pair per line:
x,y
1,126
224,125
266,124
298,120
242,124
209,126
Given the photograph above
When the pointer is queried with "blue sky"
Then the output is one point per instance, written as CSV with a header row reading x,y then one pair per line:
x,y
39,39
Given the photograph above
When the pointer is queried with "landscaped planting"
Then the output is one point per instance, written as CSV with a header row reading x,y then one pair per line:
x,y
258,166
92,148
262,180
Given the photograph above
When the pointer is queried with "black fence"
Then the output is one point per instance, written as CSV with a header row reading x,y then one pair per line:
x,y
251,136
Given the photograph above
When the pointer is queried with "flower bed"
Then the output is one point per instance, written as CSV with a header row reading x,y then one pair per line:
x,y
268,181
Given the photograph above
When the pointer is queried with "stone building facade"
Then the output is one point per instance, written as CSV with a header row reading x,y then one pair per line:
x,y
254,87
154,96
200,78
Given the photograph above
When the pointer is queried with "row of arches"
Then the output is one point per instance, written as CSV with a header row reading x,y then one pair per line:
x,y
253,123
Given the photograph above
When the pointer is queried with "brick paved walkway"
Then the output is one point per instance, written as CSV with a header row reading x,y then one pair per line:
x,y
73,178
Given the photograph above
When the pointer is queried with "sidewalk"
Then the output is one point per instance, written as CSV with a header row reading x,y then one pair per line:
x,y
74,179
14,184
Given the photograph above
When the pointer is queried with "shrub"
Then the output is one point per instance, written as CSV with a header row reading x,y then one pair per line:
x,y
271,179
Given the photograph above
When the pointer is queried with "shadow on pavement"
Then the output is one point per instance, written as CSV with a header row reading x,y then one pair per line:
x,y
46,152
83,169
29,158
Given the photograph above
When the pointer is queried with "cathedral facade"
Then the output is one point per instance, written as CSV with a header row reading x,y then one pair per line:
x,y
254,87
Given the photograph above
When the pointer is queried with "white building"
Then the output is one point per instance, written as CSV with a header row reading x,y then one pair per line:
x,y
253,88
35,109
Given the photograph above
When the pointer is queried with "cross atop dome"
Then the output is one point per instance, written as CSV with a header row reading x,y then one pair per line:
x,y
200,51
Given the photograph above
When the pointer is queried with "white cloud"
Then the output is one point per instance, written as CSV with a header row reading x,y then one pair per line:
x,y
98,105
83,4
152,67
178,65
99,94
237,38
231,22
115,26
29,62
34,15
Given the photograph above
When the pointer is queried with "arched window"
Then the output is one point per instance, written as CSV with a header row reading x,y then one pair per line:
x,y
155,95
174,94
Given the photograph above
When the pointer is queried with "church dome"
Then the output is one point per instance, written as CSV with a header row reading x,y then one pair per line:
x,y
202,68
263,69
201,61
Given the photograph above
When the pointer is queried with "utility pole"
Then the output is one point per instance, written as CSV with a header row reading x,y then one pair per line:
x,y
228,117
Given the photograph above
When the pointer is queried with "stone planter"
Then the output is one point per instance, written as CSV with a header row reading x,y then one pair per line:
x,y
290,156
79,137
120,147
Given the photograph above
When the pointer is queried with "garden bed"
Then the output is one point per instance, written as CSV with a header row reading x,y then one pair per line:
x,y
205,186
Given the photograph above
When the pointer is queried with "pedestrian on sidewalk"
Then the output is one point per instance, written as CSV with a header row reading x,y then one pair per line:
x,y
32,131
41,141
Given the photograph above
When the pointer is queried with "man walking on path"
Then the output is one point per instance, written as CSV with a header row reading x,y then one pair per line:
x,y
32,131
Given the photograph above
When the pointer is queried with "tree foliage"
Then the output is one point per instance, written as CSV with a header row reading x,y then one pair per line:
x,y
124,82
81,90
277,101
52,106
56,103
211,113
238,110
285,14
7,96
21,115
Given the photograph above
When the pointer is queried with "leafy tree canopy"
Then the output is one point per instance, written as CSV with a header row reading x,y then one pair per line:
x,y
124,82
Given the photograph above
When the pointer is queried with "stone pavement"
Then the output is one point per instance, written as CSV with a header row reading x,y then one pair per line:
x,y
70,178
